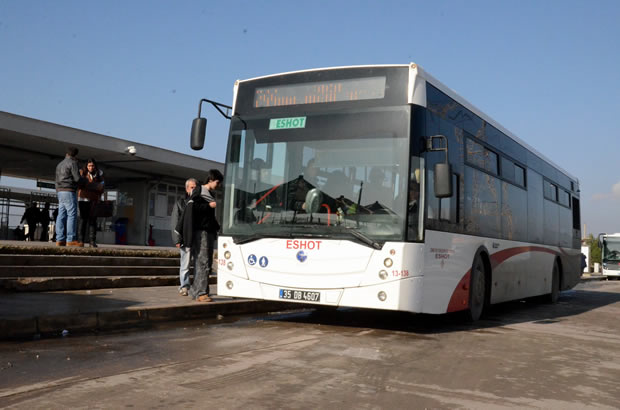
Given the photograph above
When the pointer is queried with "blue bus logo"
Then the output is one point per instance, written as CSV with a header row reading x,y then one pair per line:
x,y
301,256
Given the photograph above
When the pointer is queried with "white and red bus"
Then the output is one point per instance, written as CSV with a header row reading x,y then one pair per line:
x,y
379,187
610,254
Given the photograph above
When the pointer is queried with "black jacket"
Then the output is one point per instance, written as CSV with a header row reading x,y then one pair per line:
x,y
177,215
197,216
67,175
31,216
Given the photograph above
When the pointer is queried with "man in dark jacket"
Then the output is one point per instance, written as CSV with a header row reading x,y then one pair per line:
x,y
67,178
44,218
177,214
199,224
31,216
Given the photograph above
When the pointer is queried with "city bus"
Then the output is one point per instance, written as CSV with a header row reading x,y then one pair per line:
x,y
379,187
610,254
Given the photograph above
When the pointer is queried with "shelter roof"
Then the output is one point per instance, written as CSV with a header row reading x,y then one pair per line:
x,y
31,148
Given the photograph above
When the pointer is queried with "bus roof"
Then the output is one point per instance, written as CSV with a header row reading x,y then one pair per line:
x,y
442,87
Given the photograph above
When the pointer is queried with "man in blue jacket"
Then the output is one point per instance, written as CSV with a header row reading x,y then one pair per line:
x,y
67,178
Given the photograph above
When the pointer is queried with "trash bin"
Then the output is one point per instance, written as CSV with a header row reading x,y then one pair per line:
x,y
120,229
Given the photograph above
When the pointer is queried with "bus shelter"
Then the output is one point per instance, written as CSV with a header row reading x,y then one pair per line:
x,y
143,181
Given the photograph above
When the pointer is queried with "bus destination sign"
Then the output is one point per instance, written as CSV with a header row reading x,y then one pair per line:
x,y
287,123
320,92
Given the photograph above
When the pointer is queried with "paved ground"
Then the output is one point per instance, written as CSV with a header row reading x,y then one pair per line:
x,y
522,355
31,315
31,304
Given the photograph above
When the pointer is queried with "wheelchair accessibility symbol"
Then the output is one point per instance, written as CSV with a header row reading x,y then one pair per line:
x,y
252,260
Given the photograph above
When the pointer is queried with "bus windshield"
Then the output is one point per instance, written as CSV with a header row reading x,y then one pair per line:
x,y
340,175
611,250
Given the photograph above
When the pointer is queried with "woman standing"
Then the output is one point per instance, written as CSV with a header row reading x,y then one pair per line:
x,y
88,196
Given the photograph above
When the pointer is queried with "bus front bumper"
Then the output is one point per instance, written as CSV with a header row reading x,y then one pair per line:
x,y
402,295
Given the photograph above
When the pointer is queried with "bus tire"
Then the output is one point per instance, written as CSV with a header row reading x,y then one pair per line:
x,y
554,295
477,289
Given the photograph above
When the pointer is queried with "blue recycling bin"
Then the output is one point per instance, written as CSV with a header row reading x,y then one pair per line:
x,y
120,229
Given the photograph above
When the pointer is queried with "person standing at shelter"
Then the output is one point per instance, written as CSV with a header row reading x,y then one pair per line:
x,y
44,217
89,195
185,251
31,216
54,217
214,179
199,224
67,178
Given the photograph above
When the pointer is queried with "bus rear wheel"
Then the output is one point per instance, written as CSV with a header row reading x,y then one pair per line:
x,y
554,295
477,289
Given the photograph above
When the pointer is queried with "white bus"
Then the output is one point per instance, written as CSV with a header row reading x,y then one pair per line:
x,y
610,254
379,187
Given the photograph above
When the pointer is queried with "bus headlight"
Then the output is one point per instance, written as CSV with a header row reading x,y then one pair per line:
x,y
382,296
383,274
230,266
388,262
227,254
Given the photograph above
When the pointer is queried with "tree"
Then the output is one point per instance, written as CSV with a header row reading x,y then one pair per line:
x,y
595,250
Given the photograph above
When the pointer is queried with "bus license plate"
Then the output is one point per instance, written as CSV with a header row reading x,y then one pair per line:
x,y
305,295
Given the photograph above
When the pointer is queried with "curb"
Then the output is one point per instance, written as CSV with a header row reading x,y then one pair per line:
x,y
590,278
60,283
8,249
54,325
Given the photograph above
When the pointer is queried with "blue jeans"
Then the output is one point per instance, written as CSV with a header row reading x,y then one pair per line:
x,y
67,214
186,256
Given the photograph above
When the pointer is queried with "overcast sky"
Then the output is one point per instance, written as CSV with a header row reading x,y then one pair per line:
x,y
548,71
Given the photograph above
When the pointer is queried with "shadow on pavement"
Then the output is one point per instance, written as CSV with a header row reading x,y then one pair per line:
x,y
571,303
23,305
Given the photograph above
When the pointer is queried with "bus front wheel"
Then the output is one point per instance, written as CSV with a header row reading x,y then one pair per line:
x,y
477,289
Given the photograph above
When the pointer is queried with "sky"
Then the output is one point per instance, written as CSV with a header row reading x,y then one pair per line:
x,y
548,71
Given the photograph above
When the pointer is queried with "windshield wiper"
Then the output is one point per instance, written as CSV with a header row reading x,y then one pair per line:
x,y
361,237
365,239
238,240
356,233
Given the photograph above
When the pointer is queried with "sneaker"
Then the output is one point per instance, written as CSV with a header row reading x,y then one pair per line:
x,y
61,243
183,291
93,245
76,243
204,298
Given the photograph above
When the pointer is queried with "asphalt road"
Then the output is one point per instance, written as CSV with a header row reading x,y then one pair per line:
x,y
522,355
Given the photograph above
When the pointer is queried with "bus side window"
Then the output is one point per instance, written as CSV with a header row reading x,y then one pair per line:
x,y
576,214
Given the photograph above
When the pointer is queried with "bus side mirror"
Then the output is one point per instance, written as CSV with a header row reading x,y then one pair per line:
x,y
199,129
600,240
443,180
443,171
199,126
